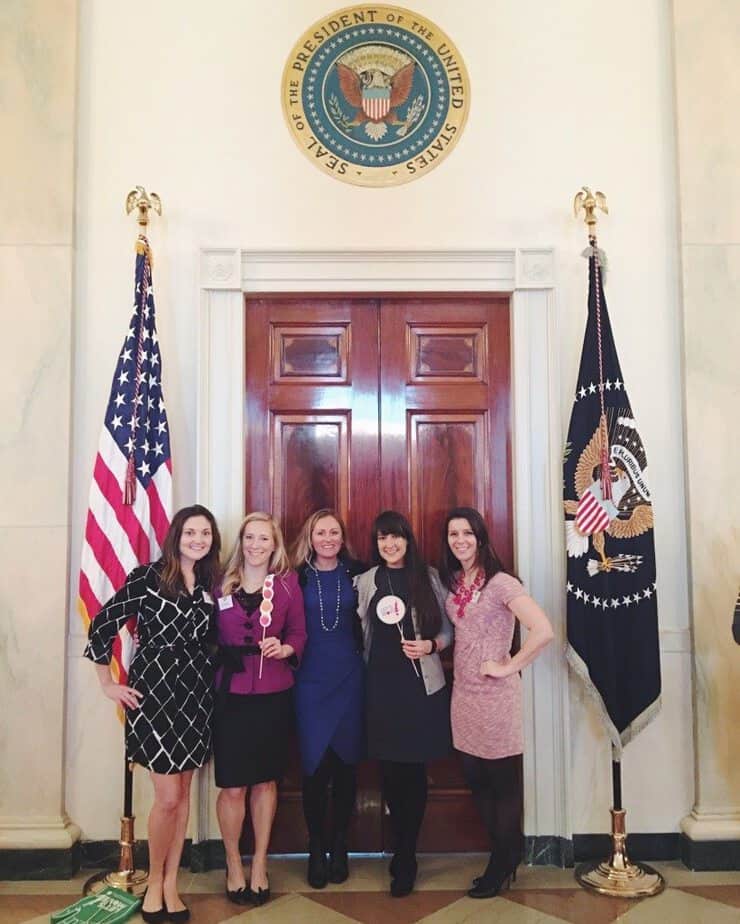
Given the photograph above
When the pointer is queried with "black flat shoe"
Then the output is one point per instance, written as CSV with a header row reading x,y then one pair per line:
x,y
153,917
259,896
318,873
338,860
177,917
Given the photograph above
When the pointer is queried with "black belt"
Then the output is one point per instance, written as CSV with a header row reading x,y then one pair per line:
x,y
229,657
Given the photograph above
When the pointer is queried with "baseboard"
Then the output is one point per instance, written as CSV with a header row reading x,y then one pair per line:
x,y
548,850
639,846
41,863
710,855
538,851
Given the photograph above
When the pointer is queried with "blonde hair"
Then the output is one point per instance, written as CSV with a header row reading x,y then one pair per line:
x,y
278,564
302,550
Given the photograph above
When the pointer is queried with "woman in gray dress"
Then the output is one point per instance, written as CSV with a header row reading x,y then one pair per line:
x,y
401,608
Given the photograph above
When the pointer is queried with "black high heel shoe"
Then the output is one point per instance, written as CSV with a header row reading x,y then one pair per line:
x,y
478,878
259,896
152,917
237,896
491,883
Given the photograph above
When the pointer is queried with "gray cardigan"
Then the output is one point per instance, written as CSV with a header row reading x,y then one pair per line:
x,y
431,666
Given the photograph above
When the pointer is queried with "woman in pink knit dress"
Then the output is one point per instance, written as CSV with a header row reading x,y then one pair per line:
x,y
484,603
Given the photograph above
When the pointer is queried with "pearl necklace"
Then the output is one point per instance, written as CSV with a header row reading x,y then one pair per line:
x,y
321,599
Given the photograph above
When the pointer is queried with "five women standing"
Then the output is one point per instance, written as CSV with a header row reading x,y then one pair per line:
x,y
398,613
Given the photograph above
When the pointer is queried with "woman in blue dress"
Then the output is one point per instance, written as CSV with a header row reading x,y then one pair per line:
x,y
329,691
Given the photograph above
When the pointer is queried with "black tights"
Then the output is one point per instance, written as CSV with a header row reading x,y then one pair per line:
x,y
497,791
316,795
405,792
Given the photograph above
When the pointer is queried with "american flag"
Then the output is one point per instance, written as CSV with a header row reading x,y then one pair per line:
x,y
131,491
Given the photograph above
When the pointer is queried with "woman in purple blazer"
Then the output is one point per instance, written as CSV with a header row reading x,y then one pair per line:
x,y
261,635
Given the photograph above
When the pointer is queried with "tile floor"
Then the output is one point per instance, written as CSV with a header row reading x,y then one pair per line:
x,y
541,895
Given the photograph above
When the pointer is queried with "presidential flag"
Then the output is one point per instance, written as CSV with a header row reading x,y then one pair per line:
x,y
131,491
611,600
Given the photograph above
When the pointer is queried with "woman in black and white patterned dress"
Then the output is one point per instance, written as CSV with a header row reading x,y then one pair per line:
x,y
169,696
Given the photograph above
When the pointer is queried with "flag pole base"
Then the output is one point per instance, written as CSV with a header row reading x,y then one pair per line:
x,y
619,876
126,877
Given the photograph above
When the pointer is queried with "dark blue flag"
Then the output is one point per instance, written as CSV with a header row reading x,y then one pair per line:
x,y
611,600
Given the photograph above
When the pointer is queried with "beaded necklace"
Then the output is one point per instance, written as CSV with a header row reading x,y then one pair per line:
x,y
464,594
321,599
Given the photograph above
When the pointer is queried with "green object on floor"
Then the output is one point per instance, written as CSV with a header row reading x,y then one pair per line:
x,y
109,906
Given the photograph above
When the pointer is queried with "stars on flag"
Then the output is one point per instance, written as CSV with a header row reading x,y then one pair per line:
x,y
593,388
604,603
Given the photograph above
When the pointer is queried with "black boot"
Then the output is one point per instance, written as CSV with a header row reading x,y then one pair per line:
x,y
338,861
317,869
404,874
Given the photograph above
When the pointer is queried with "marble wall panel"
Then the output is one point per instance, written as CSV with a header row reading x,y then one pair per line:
x,y
33,583
38,52
35,291
707,39
712,324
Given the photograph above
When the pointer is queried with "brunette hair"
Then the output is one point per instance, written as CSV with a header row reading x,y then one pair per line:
x,y
302,551
422,597
206,570
449,565
278,563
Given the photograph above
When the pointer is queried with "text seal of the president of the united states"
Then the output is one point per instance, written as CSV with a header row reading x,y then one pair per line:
x,y
375,95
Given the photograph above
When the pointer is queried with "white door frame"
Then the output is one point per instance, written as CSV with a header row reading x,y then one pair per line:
x,y
527,275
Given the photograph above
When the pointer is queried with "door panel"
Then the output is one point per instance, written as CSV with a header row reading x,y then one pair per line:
x,y
312,410
310,461
366,404
445,442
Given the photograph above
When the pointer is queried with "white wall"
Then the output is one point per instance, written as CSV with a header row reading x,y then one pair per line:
x,y
184,98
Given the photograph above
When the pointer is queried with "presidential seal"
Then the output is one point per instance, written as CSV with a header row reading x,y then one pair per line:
x,y
375,95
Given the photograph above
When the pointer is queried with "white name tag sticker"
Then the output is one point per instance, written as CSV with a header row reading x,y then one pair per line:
x,y
207,597
225,603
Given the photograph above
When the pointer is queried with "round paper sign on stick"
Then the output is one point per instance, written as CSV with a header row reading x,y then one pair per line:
x,y
391,610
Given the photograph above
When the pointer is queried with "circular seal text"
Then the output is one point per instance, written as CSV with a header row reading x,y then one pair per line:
x,y
375,95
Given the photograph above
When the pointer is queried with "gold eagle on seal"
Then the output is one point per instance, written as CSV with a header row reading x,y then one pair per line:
x,y
376,80
626,514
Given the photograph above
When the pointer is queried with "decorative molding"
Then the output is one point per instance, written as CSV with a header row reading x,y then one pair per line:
x,y
391,270
220,268
701,825
50,833
535,269
527,274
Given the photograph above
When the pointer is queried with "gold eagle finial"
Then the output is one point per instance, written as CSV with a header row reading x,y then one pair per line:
x,y
139,199
589,202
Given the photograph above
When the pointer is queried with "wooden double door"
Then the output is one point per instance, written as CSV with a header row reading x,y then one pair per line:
x,y
365,404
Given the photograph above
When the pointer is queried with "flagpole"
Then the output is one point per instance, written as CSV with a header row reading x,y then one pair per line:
x,y
127,877
618,876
